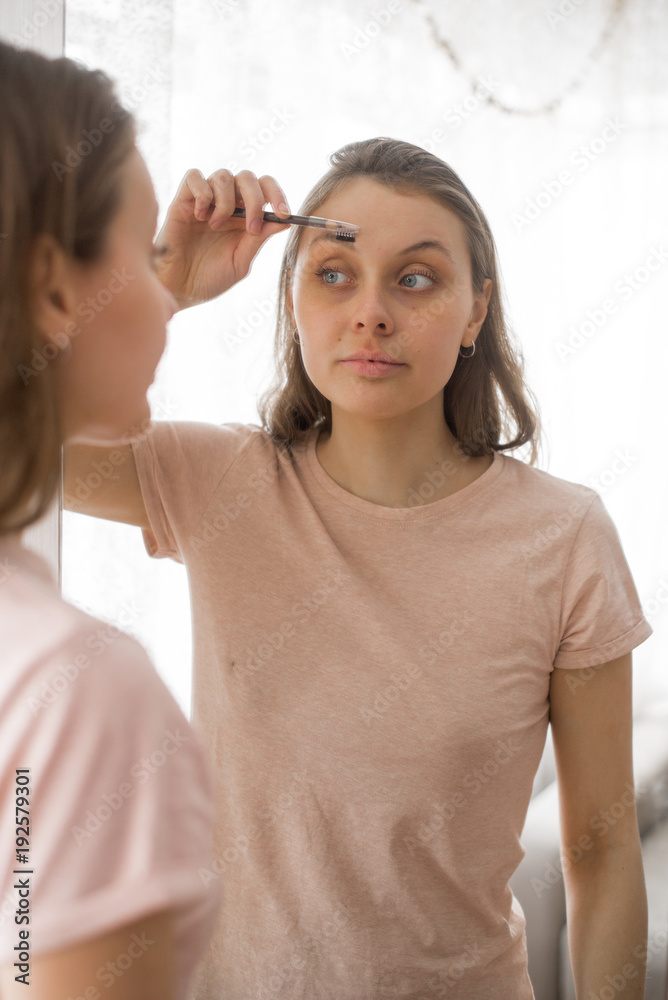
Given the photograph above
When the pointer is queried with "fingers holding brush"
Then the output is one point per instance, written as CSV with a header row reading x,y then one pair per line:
x,y
206,248
245,190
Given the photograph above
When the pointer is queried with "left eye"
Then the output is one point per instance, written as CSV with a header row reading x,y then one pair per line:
x,y
325,272
418,274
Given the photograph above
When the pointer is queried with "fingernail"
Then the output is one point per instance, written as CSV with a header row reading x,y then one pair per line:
x,y
284,208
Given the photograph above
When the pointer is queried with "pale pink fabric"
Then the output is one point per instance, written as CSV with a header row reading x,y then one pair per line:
x,y
121,799
372,684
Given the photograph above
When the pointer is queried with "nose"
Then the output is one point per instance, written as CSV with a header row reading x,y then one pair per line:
x,y
371,312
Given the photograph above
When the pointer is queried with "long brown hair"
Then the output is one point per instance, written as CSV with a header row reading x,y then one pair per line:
x,y
64,138
486,397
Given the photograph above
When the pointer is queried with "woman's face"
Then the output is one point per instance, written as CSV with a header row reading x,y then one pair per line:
x,y
121,310
386,292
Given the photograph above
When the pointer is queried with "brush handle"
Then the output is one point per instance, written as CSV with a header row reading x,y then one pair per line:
x,y
302,220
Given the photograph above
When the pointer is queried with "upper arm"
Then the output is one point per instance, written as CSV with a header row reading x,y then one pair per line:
x,y
103,482
592,721
97,967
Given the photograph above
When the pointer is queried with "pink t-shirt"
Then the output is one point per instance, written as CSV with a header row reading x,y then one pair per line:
x,y
120,798
372,684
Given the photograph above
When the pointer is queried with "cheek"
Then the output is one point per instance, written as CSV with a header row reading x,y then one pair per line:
x,y
128,334
141,310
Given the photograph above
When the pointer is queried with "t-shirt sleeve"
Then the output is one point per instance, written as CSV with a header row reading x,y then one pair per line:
x,y
120,797
179,465
601,615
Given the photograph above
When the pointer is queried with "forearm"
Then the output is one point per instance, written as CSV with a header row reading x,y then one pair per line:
x,y
607,923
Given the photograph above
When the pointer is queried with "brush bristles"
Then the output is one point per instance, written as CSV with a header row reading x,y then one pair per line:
x,y
346,236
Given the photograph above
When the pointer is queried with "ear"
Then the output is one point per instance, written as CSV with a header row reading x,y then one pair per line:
x,y
51,292
479,311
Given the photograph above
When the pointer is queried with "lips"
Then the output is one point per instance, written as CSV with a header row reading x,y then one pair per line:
x,y
372,369
372,356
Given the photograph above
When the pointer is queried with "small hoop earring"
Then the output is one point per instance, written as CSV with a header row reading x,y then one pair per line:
x,y
468,355
295,338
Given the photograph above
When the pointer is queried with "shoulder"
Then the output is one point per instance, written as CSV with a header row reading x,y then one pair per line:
x,y
540,491
75,689
561,520
50,646
35,621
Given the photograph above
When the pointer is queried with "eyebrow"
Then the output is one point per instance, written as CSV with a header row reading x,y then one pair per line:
x,y
413,248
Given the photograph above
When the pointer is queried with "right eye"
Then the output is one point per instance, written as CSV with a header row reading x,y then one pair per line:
x,y
325,271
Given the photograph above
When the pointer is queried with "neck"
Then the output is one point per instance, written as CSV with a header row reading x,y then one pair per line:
x,y
397,462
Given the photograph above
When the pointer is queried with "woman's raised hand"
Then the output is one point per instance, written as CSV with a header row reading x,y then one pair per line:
x,y
205,249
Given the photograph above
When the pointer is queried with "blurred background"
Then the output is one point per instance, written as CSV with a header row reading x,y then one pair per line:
x,y
555,115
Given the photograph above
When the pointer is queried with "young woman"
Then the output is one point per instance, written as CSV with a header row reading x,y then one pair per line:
x,y
105,801
388,609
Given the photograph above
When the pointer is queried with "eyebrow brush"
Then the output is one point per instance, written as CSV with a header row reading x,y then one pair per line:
x,y
343,230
